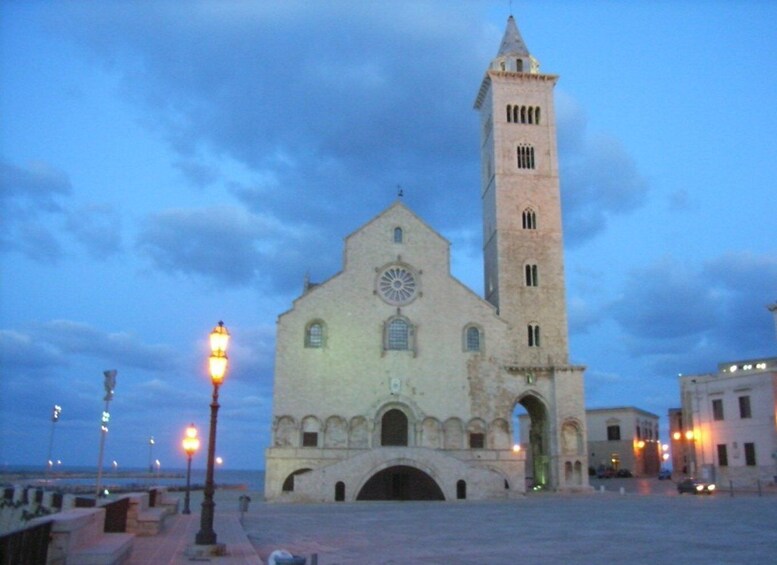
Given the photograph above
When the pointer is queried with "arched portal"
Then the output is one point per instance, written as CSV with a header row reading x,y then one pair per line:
x,y
400,482
538,435
288,484
393,428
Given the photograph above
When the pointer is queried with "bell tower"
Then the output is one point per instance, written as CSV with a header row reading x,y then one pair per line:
x,y
522,234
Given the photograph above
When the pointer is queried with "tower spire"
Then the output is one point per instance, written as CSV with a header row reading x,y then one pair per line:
x,y
512,42
513,55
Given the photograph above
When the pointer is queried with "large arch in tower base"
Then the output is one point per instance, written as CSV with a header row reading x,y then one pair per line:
x,y
400,482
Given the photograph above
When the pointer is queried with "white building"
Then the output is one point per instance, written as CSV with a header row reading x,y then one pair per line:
x,y
395,381
731,422
624,438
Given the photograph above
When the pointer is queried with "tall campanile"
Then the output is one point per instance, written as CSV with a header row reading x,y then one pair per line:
x,y
522,235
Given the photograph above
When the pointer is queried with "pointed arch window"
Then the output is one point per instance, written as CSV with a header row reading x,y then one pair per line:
x,y
532,279
398,235
315,334
534,335
529,219
525,155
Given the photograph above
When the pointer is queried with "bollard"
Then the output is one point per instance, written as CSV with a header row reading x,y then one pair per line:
x,y
601,488
623,490
243,502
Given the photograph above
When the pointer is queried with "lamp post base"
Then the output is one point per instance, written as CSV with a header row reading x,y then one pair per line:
x,y
195,551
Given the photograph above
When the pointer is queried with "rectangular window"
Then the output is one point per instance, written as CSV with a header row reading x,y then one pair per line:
x,y
722,455
309,439
717,409
750,454
744,407
477,441
613,433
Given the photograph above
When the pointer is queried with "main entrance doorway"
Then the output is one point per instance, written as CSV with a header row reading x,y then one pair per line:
x,y
400,482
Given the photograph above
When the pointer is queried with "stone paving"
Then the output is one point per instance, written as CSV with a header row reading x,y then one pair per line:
x,y
650,523
542,528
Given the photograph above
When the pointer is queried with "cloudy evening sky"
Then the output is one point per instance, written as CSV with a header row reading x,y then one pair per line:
x,y
166,165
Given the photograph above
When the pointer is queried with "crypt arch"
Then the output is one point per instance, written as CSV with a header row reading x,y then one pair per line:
x,y
400,479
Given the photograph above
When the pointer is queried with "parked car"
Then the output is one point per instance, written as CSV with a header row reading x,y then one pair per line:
x,y
665,475
623,474
605,472
695,486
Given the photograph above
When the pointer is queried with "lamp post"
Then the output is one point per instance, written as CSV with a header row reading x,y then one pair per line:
x,y
219,338
110,385
191,443
151,443
55,412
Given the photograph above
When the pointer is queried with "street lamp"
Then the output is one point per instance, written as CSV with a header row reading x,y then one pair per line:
x,y
219,338
191,443
55,412
110,385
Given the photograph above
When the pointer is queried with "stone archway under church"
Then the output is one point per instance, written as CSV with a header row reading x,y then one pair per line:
x,y
400,482
538,448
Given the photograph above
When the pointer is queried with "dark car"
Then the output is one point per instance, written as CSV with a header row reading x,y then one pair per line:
x,y
623,474
665,474
605,472
695,486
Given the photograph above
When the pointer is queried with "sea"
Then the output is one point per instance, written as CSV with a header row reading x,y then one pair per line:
x,y
129,478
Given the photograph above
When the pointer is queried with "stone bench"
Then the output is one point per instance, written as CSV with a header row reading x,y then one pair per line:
x,y
143,520
77,537
165,500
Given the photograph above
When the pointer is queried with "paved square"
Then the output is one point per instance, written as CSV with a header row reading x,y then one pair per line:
x,y
541,528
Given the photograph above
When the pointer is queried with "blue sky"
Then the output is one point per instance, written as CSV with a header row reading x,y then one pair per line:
x,y
165,166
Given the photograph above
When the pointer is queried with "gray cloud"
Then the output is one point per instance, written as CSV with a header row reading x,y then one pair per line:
x,y
115,349
599,178
223,244
347,124
97,228
29,196
687,319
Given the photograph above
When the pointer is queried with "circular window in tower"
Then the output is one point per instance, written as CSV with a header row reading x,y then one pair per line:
x,y
397,285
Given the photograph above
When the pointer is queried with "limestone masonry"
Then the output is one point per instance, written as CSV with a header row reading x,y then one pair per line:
x,y
395,381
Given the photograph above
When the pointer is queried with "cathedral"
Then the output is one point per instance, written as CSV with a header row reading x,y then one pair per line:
x,y
394,381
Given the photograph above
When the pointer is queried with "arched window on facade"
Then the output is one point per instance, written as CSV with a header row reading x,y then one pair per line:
x,y
314,334
398,335
531,275
534,335
398,235
529,219
472,339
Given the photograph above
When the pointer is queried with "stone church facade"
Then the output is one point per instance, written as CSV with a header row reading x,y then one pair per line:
x,y
395,381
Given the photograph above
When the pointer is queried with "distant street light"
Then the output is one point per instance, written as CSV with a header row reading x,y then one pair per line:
x,y
219,338
110,385
151,455
55,412
191,443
